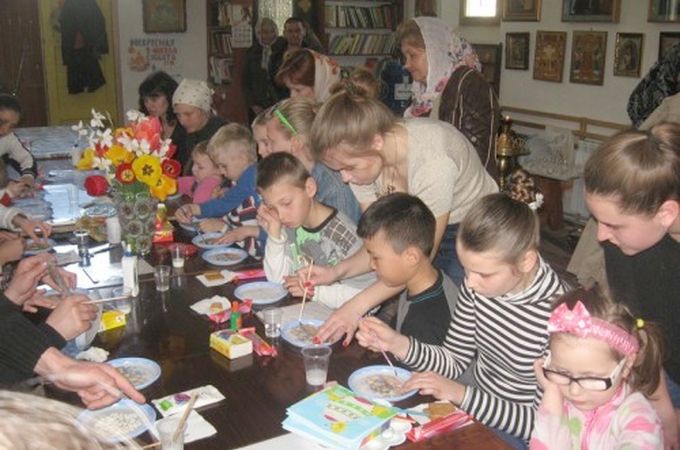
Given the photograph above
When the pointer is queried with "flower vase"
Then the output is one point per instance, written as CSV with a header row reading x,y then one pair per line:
x,y
137,214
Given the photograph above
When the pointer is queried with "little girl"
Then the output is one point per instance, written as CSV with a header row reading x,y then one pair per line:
x,y
498,328
205,176
602,362
259,129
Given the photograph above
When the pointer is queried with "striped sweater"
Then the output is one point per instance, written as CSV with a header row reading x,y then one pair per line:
x,y
505,335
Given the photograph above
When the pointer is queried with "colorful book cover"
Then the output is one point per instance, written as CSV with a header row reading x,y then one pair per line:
x,y
337,416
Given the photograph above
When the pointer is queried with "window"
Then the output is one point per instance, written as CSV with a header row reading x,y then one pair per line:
x,y
479,12
276,10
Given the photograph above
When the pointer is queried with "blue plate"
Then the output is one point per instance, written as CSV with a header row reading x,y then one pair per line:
x,y
141,372
224,256
261,292
102,420
290,332
361,379
190,227
28,251
199,240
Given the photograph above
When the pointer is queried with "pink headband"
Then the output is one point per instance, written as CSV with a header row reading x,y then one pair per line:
x,y
579,323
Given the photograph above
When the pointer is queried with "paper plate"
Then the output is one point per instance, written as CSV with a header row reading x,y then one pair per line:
x,y
224,256
369,382
199,240
121,421
33,249
100,210
261,292
141,372
292,333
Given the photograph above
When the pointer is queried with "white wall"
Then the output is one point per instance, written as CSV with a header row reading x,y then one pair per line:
x,y
606,102
186,54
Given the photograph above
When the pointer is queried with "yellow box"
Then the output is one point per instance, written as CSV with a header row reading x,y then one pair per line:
x,y
230,343
112,319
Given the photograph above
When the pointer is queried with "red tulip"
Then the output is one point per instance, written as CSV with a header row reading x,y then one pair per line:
x,y
96,185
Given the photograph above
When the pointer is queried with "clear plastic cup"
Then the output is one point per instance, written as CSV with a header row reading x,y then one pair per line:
x,y
178,256
166,431
162,276
272,322
316,360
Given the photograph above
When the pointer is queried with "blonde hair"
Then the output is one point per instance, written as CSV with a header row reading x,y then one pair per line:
x,y
348,118
409,33
640,168
645,373
262,117
300,113
233,137
361,82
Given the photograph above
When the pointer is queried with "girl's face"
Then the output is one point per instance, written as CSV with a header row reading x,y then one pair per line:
x,y
355,169
262,140
203,167
585,357
291,203
157,105
416,62
193,119
8,120
299,90
278,140
632,233
488,274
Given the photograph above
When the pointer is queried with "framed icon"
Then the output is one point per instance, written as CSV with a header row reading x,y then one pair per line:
x,y
628,54
549,55
517,51
588,50
590,10
164,16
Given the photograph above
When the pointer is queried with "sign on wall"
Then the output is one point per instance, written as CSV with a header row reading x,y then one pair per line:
x,y
151,54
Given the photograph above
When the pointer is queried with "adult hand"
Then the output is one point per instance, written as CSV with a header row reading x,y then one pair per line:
x,y
26,278
296,288
8,235
343,321
268,219
32,228
376,335
186,212
319,275
39,300
441,388
72,316
70,278
11,250
211,225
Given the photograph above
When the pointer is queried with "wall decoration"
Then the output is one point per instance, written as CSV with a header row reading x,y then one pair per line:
x,y
474,12
522,10
164,16
549,55
152,54
517,50
628,54
490,55
663,11
590,10
588,49
666,41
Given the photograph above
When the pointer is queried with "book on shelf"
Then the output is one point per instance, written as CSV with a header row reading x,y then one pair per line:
x,y
338,418
220,42
362,44
342,16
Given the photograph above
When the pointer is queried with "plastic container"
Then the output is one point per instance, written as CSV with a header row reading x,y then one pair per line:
x,y
130,275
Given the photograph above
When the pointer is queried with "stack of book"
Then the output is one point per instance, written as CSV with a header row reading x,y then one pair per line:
x,y
362,44
337,16
337,418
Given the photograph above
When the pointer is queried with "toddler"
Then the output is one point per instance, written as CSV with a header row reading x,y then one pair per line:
x,y
205,176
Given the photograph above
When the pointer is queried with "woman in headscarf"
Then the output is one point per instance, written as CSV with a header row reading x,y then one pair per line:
x,y
447,84
192,102
257,86
307,73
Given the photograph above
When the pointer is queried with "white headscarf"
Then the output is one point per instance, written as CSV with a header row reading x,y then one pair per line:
x,y
266,48
326,74
446,52
194,93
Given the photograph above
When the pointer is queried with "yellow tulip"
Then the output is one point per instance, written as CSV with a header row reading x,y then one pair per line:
x,y
147,169
118,155
86,161
164,187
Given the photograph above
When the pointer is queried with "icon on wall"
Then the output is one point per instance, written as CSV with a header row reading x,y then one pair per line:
x,y
628,54
517,51
590,10
588,50
164,16
549,55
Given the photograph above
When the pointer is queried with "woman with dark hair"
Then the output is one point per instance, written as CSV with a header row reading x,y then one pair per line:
x,y
155,99
306,73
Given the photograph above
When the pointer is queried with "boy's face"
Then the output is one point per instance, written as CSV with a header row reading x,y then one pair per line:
x,y
262,141
292,203
632,233
203,167
390,266
231,163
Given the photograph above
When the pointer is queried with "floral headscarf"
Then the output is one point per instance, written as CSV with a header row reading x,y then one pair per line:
x,y
326,74
446,52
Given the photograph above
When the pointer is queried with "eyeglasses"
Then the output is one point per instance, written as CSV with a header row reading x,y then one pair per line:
x,y
587,383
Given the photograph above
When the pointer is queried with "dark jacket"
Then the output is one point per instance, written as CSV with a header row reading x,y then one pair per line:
x,y
204,134
258,88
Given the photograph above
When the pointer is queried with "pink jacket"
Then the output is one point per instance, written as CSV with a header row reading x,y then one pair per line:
x,y
199,192
627,421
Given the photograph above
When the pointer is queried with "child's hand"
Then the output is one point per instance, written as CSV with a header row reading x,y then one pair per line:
x,y
269,220
552,397
18,189
218,192
441,388
7,235
378,336
32,228
186,212
296,287
343,322
72,316
319,275
11,250
211,225
238,234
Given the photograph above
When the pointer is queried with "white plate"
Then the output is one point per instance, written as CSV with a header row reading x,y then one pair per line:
x,y
140,417
261,292
287,332
358,382
199,240
224,256
141,372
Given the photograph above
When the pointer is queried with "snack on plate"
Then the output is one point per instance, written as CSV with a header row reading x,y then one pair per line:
x,y
439,409
213,276
216,308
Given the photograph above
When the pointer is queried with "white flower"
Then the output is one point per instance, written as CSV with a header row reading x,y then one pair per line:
x,y
97,119
105,137
134,116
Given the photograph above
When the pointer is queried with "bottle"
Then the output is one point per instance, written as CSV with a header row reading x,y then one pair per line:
x,y
113,230
75,154
129,265
235,319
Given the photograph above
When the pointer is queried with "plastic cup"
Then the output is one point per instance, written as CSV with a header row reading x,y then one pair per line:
x,y
316,360
178,256
166,430
272,322
162,276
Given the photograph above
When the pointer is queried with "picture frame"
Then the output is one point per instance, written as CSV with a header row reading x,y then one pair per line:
x,y
549,55
469,19
667,39
164,16
591,11
663,11
588,51
628,54
517,51
521,10
490,56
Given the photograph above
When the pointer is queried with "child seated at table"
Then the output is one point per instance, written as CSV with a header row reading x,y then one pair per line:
x,y
259,127
19,156
398,232
302,230
205,176
233,150
499,325
602,362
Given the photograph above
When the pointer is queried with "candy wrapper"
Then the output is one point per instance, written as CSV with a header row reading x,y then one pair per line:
x,y
175,403
452,421
203,307
260,346
250,274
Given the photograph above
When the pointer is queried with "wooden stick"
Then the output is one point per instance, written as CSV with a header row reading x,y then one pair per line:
x,y
152,445
185,416
105,300
304,292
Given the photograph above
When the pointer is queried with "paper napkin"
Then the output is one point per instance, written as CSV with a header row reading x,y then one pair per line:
x,y
197,428
216,278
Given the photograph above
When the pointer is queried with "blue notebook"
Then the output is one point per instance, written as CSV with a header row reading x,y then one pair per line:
x,y
338,418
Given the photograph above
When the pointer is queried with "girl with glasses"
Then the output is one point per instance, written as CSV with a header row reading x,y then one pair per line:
x,y
601,364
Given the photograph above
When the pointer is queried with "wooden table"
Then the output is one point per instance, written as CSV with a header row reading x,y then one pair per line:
x,y
257,389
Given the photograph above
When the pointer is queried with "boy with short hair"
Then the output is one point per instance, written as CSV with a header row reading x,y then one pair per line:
x,y
302,230
398,232
232,148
